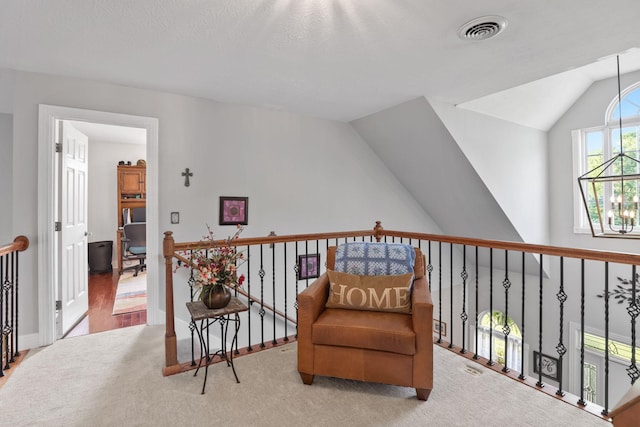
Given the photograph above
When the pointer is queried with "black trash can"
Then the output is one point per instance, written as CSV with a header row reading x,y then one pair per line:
x,y
100,254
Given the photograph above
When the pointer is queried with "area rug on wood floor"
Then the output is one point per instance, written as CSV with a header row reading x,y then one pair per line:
x,y
131,294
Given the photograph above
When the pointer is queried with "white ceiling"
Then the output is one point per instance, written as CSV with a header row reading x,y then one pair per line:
x,y
336,59
112,134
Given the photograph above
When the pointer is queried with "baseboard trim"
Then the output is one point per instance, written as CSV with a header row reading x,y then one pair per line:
x,y
26,342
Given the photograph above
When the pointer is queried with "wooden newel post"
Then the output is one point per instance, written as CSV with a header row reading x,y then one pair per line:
x,y
627,412
377,231
170,343
22,242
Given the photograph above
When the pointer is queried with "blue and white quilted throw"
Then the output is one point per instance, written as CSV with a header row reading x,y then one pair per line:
x,y
375,259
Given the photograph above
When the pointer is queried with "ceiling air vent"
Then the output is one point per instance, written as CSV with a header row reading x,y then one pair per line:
x,y
482,28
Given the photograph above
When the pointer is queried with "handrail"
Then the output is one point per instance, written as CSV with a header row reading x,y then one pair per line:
x,y
19,244
590,254
378,232
247,241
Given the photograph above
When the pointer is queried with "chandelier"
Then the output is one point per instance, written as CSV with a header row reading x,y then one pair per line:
x,y
617,216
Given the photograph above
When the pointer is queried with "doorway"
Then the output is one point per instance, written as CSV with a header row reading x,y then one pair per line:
x,y
115,299
49,258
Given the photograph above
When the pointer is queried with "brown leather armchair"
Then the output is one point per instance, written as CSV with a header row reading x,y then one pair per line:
x,y
383,347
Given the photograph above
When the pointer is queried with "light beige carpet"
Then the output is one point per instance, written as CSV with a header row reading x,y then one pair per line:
x,y
131,294
114,379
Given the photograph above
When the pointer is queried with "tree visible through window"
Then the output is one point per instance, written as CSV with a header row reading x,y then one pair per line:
x,y
512,357
594,146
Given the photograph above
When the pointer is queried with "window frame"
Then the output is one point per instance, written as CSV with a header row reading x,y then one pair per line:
x,y
579,152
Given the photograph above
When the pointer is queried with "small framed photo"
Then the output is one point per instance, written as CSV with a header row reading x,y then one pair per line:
x,y
234,210
308,266
551,368
440,328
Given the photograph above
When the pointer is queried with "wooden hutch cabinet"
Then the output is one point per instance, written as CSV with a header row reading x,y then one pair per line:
x,y
132,193
131,183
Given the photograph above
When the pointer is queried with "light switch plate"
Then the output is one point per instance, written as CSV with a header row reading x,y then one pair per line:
x,y
175,217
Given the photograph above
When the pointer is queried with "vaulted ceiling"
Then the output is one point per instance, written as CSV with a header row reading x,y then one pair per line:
x,y
335,59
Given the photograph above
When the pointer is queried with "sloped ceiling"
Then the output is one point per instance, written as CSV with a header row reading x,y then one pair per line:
x,y
336,59
539,104
416,146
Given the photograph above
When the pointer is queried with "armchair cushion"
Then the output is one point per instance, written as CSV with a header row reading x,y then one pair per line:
x,y
372,293
374,259
393,332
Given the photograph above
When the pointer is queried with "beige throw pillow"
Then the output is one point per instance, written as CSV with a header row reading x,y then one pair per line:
x,y
372,293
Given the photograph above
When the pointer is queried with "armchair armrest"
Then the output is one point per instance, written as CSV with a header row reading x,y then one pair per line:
x,y
311,303
422,317
314,297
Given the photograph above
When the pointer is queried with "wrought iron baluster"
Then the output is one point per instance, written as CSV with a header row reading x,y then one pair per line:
x,y
440,291
463,314
286,316
273,292
634,311
541,280
475,354
581,401
605,410
506,283
15,284
429,266
192,326
560,348
6,329
296,270
522,376
2,275
490,362
261,312
451,294
12,315
249,301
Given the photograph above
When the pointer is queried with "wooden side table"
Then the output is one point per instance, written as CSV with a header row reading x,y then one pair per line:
x,y
223,316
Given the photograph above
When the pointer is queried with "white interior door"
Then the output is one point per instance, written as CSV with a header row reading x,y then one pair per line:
x,y
73,284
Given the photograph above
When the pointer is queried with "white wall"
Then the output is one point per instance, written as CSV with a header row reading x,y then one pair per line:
x,y
6,91
300,174
511,160
6,178
103,206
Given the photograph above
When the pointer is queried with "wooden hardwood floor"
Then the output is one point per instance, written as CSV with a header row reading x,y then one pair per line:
x,y
102,293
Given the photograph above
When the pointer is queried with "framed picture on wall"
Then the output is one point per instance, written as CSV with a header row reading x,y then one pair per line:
x,y
440,328
550,366
234,210
308,266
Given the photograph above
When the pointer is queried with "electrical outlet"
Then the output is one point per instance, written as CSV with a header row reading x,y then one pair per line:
x,y
175,217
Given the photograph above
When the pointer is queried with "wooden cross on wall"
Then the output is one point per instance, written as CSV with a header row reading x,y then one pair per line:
x,y
186,175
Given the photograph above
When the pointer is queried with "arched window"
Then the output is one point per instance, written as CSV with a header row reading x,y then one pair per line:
x,y
513,345
630,105
593,146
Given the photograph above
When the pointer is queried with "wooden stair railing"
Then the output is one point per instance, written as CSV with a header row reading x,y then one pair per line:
x,y
172,250
9,281
550,255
